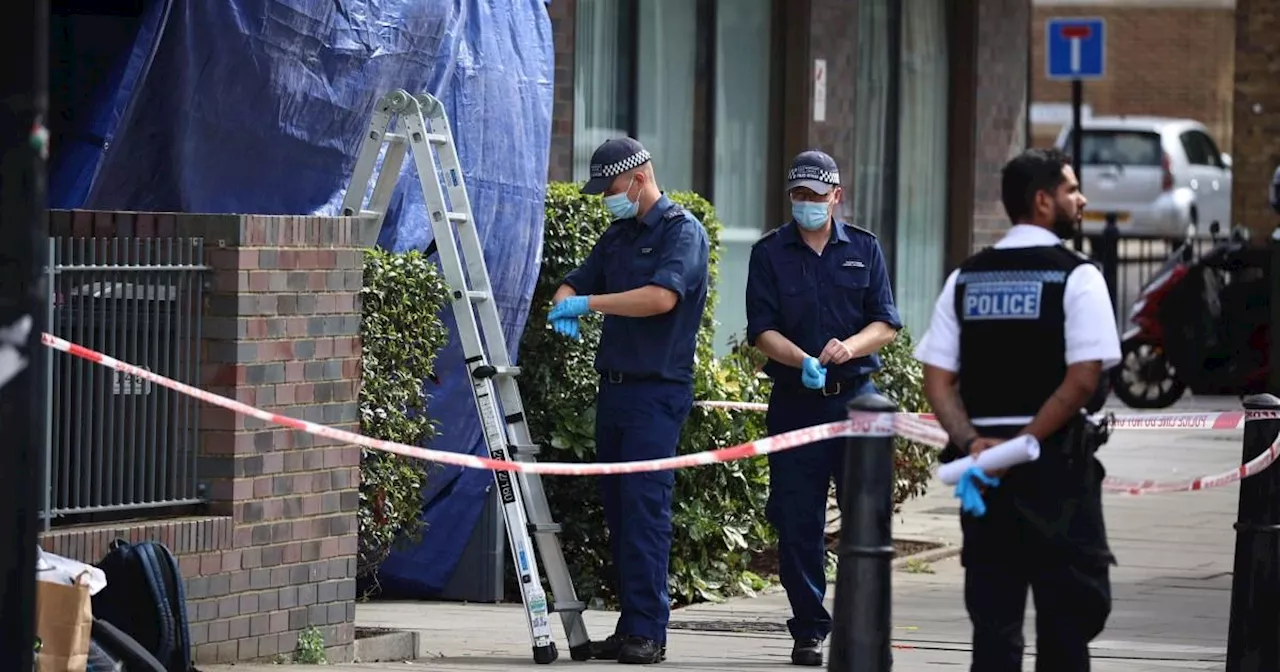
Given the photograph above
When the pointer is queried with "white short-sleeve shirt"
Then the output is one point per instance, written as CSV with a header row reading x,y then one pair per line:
x,y
1091,332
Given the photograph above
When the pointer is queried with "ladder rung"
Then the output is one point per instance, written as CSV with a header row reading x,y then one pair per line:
x,y
568,607
489,371
370,213
544,528
477,295
394,138
437,139
530,450
459,217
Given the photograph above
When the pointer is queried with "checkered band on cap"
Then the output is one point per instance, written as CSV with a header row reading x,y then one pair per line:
x,y
619,167
814,173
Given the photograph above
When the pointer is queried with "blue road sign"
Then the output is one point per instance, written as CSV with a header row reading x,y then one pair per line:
x,y
1075,48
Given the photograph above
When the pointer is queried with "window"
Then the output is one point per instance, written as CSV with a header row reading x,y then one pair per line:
x,y
1125,148
1200,149
871,111
665,86
691,80
924,89
635,74
602,94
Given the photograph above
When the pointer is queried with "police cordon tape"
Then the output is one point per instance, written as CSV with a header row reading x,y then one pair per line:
x,y
1213,420
919,427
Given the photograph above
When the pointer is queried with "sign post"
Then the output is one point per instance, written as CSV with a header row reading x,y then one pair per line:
x,y
1075,50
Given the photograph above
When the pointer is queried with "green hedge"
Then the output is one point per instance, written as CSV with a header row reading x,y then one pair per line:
x,y
401,334
719,519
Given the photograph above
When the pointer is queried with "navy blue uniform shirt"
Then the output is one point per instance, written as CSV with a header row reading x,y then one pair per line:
x,y
811,298
666,247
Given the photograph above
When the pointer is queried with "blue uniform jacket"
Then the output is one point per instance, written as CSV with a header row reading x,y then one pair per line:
x,y
811,299
667,247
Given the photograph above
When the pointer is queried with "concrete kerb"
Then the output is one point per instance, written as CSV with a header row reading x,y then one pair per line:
x,y
388,647
941,551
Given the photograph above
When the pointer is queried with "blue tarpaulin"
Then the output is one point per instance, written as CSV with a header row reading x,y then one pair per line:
x,y
259,106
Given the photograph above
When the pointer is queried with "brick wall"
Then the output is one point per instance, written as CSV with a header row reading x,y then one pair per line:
x,y
560,165
1256,150
280,332
1000,100
1161,60
1167,61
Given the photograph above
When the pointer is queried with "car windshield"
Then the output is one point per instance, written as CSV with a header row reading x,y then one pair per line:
x,y
1126,148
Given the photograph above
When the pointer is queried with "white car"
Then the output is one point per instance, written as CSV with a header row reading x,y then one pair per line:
x,y
1157,174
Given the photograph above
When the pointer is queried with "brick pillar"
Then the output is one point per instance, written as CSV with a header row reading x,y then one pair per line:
x,y
1255,150
282,329
277,551
1000,100
560,165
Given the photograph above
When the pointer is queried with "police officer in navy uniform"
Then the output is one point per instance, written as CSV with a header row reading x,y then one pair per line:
x,y
1019,343
648,276
819,306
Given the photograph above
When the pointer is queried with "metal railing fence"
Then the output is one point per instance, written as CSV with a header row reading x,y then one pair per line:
x,y
116,442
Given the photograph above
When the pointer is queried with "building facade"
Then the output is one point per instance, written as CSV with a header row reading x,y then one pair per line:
x,y
1255,138
1214,61
919,101
1165,58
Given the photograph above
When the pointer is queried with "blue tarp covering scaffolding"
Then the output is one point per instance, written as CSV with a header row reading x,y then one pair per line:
x,y
259,106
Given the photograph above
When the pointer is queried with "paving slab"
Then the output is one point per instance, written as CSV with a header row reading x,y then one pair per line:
x,y
1171,588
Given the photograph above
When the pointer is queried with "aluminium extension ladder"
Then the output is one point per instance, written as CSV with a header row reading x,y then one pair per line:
x,y
420,123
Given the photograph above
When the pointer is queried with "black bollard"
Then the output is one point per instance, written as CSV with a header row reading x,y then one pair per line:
x,y
1273,343
861,628
1253,639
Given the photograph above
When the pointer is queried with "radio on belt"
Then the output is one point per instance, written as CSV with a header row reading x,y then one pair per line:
x,y
423,126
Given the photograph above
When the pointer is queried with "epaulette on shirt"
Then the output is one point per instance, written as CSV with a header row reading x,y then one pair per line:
x,y
673,213
766,236
855,227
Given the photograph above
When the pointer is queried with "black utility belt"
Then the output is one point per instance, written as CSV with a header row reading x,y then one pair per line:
x,y
833,388
619,377
1080,437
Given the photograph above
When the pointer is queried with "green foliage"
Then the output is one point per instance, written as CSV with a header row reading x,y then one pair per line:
x,y
310,647
401,334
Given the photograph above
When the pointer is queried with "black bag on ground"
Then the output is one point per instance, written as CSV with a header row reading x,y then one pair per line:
x,y
144,598
111,650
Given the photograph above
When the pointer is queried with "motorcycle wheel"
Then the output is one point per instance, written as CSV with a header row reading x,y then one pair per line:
x,y
1144,378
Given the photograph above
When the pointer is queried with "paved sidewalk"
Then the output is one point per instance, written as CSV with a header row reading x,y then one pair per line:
x,y
1171,589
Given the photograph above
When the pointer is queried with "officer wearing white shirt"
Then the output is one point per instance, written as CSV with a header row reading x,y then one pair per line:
x,y
1019,343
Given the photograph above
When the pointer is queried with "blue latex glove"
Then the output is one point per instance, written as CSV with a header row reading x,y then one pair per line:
x,y
574,306
567,326
970,494
812,374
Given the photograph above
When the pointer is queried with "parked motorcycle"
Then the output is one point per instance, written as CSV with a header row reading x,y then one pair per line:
x,y
1199,324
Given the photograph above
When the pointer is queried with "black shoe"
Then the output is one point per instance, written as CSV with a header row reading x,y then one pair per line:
x,y
807,652
607,649
641,651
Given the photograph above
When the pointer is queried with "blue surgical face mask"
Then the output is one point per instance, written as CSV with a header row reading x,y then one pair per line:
x,y
620,206
810,215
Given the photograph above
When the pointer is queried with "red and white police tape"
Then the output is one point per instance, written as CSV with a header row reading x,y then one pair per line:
x,y
919,427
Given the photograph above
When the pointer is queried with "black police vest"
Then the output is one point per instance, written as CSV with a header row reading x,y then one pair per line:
x,y
1012,328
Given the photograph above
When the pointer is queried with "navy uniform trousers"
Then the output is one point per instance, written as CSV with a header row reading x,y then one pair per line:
x,y
1043,532
640,420
799,480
